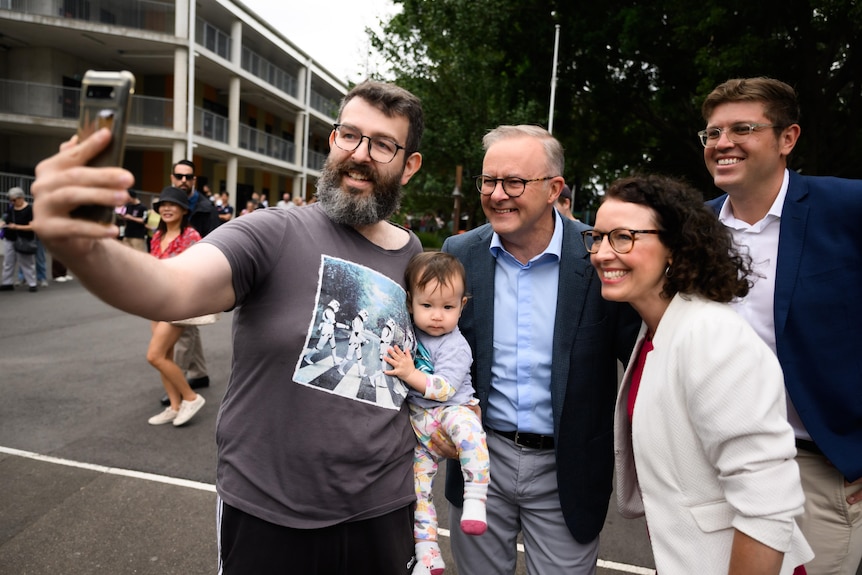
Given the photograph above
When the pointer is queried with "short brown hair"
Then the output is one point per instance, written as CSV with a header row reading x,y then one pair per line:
x,y
779,99
392,101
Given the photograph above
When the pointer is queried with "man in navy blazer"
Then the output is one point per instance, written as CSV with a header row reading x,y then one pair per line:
x,y
804,234
545,347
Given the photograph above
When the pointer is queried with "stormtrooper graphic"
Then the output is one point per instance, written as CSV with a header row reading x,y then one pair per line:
x,y
355,343
336,359
327,333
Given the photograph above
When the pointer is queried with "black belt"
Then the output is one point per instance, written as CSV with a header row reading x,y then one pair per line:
x,y
808,446
531,440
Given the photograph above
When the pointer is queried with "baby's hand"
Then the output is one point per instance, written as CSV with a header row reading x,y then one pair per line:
x,y
401,362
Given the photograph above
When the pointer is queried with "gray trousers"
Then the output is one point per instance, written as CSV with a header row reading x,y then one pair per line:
x,y
522,497
189,353
12,260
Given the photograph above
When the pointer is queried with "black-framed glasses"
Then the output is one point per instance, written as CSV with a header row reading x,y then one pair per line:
x,y
512,186
621,240
381,149
184,176
736,133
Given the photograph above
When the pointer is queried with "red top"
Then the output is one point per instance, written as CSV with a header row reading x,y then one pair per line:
x,y
188,237
637,372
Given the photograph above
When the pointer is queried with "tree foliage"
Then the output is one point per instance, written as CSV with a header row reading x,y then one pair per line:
x,y
631,77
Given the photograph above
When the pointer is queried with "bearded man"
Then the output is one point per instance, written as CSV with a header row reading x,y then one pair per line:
x,y
314,467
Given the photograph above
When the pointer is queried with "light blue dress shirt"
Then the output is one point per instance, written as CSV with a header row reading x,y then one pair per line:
x,y
525,305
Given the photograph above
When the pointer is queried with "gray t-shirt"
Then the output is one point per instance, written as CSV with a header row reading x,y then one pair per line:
x,y
299,443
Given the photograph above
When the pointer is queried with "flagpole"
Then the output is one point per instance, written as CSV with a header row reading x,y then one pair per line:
x,y
554,79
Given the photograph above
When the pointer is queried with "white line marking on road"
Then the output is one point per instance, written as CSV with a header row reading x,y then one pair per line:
x,y
111,470
612,565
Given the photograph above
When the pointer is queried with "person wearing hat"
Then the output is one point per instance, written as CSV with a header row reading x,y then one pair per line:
x,y
173,236
17,224
564,203
203,216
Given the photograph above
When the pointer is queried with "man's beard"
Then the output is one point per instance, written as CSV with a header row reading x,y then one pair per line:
x,y
350,207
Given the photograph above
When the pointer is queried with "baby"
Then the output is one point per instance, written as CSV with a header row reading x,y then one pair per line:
x,y
440,393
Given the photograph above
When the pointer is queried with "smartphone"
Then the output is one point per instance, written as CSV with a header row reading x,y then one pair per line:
x,y
106,100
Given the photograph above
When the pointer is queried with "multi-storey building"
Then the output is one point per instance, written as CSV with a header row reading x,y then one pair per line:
x,y
215,83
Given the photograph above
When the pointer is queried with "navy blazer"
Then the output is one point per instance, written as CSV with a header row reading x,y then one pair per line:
x,y
818,312
590,334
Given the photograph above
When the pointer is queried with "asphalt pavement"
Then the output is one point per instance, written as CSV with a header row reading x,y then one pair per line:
x,y
87,486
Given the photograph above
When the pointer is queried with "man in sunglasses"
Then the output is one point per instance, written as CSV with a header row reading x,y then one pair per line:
x,y
203,215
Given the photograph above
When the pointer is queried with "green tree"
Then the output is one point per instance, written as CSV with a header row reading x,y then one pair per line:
x,y
631,77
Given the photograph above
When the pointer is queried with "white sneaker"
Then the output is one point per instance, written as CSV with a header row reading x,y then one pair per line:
x,y
188,409
61,279
69,277
167,416
43,283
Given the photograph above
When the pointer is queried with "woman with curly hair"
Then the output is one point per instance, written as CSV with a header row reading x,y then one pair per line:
x,y
702,443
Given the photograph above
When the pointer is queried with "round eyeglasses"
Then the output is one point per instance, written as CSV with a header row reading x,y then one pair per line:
x,y
382,150
621,240
512,186
736,133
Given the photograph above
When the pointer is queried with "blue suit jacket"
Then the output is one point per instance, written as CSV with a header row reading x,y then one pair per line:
x,y
818,312
590,334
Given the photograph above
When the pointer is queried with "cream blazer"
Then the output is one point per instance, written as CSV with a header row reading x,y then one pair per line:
x,y
709,448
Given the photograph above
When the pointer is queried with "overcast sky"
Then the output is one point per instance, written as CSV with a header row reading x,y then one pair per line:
x,y
332,32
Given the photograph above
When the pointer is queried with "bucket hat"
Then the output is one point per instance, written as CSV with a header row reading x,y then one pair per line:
x,y
174,196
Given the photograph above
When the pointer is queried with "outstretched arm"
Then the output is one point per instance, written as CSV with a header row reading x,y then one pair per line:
x,y
196,282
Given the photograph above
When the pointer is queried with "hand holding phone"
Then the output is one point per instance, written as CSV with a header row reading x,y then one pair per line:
x,y
106,99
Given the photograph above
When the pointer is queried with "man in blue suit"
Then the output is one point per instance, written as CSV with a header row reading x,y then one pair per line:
x,y
804,237
545,347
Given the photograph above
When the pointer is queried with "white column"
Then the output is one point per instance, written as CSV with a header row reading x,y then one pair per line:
x,y
190,128
181,18
236,43
178,151
181,63
231,176
233,112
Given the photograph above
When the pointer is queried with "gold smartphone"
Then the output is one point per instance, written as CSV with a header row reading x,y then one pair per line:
x,y
106,100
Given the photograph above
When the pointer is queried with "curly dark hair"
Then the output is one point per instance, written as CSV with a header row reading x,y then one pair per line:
x,y
706,261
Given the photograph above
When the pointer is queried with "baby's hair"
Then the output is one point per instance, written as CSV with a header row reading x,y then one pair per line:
x,y
442,267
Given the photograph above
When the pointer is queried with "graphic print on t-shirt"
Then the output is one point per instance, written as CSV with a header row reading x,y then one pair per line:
x,y
359,314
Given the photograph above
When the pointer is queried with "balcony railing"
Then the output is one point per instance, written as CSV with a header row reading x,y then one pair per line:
x,y
212,38
266,144
316,160
141,14
50,101
323,104
259,66
211,125
152,112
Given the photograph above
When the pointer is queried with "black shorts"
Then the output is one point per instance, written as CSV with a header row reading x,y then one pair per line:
x,y
379,546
